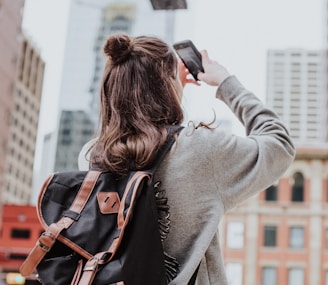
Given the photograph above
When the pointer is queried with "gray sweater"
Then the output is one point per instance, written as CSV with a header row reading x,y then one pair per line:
x,y
208,172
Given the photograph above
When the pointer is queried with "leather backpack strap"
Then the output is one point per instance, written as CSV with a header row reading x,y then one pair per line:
x,y
123,217
172,131
48,238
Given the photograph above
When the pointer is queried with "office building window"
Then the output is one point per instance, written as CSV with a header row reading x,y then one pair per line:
x,y
326,239
17,256
271,193
234,272
298,187
235,235
120,24
296,276
269,276
270,236
296,237
326,278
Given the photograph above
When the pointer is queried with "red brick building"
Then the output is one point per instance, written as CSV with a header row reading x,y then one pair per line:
x,y
19,233
280,237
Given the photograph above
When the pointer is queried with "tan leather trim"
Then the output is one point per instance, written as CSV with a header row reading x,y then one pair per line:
x,y
38,208
47,239
114,245
40,249
90,270
77,273
43,245
136,178
84,193
87,277
122,223
79,250
108,202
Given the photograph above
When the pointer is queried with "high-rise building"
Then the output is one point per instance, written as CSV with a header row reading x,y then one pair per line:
x,y
75,129
23,125
85,38
21,229
21,76
116,17
10,43
296,90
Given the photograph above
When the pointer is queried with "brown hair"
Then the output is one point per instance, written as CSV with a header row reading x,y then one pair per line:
x,y
138,101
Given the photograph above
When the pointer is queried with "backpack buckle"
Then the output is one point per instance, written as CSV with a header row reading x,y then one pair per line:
x,y
92,264
44,247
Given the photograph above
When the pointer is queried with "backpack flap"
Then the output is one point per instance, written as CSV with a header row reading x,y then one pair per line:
x,y
59,223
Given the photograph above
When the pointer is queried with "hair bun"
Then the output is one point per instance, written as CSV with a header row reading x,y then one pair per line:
x,y
118,48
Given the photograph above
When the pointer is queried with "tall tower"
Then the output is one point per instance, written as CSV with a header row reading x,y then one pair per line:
x,y
85,38
23,125
296,90
21,76
75,129
116,17
10,43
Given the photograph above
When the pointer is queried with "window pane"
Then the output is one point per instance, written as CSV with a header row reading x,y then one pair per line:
x,y
296,276
269,276
20,233
298,188
271,193
270,235
235,235
234,271
326,283
296,238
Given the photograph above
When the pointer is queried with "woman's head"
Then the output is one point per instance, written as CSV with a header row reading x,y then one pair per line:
x,y
139,81
140,97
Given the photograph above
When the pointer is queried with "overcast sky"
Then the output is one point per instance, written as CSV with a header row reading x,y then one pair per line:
x,y
237,33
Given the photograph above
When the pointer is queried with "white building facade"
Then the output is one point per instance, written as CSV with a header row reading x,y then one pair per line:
x,y
297,91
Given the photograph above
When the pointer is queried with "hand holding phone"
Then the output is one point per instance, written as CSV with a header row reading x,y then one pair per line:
x,y
190,56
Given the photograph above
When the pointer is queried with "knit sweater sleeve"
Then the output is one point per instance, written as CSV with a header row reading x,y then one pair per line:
x,y
256,161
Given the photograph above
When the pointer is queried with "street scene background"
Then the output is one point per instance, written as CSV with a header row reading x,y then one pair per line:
x,y
50,69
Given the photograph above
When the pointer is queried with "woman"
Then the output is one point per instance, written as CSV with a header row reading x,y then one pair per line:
x,y
208,171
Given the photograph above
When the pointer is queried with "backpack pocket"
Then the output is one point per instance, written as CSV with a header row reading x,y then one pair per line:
x,y
61,270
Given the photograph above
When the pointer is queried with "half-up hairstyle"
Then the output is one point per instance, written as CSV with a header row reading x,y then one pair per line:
x,y
139,101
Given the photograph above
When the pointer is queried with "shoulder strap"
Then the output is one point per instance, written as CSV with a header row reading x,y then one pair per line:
x,y
172,130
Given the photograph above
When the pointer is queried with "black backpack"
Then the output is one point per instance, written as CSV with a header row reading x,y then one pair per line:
x,y
101,229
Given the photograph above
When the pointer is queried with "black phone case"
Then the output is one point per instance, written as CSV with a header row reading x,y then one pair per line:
x,y
190,56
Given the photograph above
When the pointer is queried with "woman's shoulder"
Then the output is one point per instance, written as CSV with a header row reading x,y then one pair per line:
x,y
201,133
197,140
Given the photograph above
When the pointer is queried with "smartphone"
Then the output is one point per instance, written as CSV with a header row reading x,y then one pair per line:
x,y
190,56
